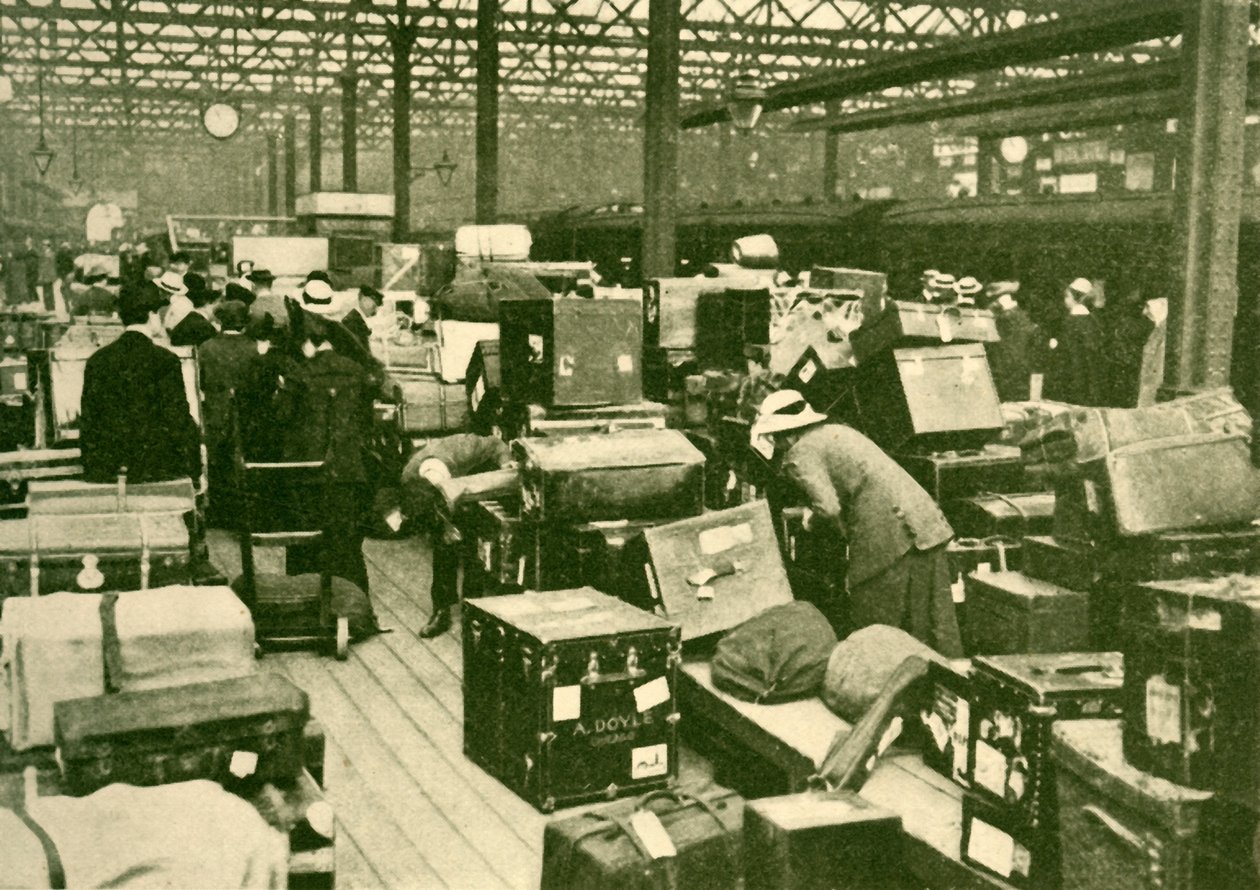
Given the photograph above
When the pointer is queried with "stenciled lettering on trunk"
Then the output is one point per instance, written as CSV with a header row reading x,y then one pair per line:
x,y
613,729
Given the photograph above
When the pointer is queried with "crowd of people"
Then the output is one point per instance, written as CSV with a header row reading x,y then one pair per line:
x,y
273,386
1094,351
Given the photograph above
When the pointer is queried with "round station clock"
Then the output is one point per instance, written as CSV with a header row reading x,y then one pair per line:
x,y
221,120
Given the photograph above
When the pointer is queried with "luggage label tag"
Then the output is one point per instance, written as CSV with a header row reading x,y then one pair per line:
x,y
991,768
649,762
1163,711
243,764
996,850
807,372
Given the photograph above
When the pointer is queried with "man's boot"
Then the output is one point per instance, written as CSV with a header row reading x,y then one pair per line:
x,y
439,623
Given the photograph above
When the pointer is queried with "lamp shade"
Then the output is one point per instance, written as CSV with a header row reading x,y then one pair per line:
x,y
745,101
42,155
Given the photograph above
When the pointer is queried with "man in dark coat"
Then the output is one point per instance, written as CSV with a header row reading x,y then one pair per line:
x,y
1020,352
356,320
1078,372
462,454
898,572
194,328
226,362
134,415
326,415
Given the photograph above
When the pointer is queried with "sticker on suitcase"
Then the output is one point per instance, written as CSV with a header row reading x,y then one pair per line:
x,y
566,703
1163,711
649,761
996,850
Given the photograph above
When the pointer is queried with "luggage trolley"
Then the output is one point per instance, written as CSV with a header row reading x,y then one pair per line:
x,y
281,508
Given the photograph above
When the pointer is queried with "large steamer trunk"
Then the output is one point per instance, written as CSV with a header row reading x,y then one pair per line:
x,y
569,695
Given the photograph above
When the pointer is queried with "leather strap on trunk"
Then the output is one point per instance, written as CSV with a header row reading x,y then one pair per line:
x,y
111,645
56,868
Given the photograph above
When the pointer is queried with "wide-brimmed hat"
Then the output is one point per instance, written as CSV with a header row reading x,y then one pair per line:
x,y
997,289
968,286
171,283
942,281
1082,286
782,411
317,292
233,315
261,276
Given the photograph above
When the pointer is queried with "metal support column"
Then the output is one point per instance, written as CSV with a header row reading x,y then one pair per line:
x,y
402,39
831,163
487,111
290,164
273,176
1208,196
316,147
660,139
349,134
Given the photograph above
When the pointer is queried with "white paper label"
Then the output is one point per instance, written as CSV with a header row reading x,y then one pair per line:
x,y
961,733
564,366
992,848
486,549
394,520
625,364
243,764
653,834
520,571
649,695
959,590
940,733
990,769
1091,497
649,761
479,390
1035,384
807,372
984,568
566,703
1163,711
725,537
19,380
704,593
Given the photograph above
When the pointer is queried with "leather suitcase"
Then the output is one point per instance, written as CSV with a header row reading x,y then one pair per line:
x,y
54,648
459,493
1119,827
571,351
951,475
536,420
945,720
592,554
1171,484
998,842
1015,701
671,309
633,474
92,553
1067,563
873,286
826,382
819,840
19,468
484,386
1191,694
1009,613
911,324
237,732
603,850
816,562
72,497
1085,434
929,399
407,354
1015,515
712,572
569,695
501,545
994,554
430,405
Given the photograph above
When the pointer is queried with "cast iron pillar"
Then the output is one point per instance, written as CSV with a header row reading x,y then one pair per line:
x,y
487,111
1207,203
349,135
316,147
831,163
290,164
660,140
402,39
273,175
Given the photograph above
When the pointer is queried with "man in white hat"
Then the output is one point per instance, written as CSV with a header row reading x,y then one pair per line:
x,y
462,454
966,289
898,572
172,286
1077,372
1020,350
940,288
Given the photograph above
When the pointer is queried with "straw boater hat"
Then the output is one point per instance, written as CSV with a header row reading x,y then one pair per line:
x,y
967,288
171,283
942,281
317,293
1082,287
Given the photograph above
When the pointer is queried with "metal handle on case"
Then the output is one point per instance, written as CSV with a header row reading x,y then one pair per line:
x,y
1113,825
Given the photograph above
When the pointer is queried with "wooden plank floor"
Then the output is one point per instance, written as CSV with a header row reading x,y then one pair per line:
x,y
412,810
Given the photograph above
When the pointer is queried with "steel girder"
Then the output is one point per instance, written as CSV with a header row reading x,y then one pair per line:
x,y
560,54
